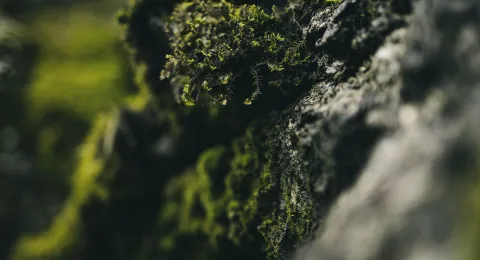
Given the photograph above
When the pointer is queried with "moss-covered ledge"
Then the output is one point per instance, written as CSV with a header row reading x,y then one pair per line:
x,y
248,179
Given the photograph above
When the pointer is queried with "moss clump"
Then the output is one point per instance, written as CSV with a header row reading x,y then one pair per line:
x,y
231,200
193,208
248,183
195,187
218,201
222,52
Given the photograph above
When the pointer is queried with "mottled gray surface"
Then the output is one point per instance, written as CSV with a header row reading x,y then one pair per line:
x,y
405,204
321,142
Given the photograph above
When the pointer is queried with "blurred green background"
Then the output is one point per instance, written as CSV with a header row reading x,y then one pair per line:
x,y
62,64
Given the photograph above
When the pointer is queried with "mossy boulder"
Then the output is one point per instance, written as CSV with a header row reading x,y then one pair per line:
x,y
262,187
178,175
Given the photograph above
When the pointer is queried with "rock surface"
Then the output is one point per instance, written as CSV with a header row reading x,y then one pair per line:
x,y
369,158
407,203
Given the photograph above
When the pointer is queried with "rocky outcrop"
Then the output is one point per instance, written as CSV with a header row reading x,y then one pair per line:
x,y
367,156
409,202
262,190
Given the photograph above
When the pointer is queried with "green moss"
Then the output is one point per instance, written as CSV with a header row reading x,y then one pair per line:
x,y
218,198
222,52
80,69
192,204
66,231
468,226
232,195
286,227
248,180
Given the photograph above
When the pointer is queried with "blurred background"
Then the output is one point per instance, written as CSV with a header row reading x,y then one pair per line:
x,y
61,64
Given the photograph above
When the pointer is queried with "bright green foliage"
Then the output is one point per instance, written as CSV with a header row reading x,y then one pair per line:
x,y
230,51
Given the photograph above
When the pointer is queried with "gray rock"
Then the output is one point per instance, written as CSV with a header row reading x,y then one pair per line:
x,y
406,204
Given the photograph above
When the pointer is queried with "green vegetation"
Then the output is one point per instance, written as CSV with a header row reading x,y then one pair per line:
x,y
79,67
65,232
226,197
222,52
78,71
217,199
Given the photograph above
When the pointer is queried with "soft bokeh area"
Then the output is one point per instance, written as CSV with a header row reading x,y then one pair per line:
x,y
62,64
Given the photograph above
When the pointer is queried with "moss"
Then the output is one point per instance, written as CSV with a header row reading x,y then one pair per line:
x,y
232,196
247,183
192,205
65,232
80,70
287,225
218,198
224,52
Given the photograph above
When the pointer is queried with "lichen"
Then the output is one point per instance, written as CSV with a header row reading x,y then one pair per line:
x,y
223,52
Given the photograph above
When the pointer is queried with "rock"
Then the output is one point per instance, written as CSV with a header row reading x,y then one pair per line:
x,y
384,128
407,203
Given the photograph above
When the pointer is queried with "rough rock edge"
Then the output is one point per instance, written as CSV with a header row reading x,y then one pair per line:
x,y
407,203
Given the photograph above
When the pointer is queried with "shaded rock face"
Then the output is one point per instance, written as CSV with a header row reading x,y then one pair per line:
x,y
309,150
406,204
390,100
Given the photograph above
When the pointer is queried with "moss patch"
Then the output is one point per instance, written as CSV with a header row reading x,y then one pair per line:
x,y
65,232
232,197
222,51
80,68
